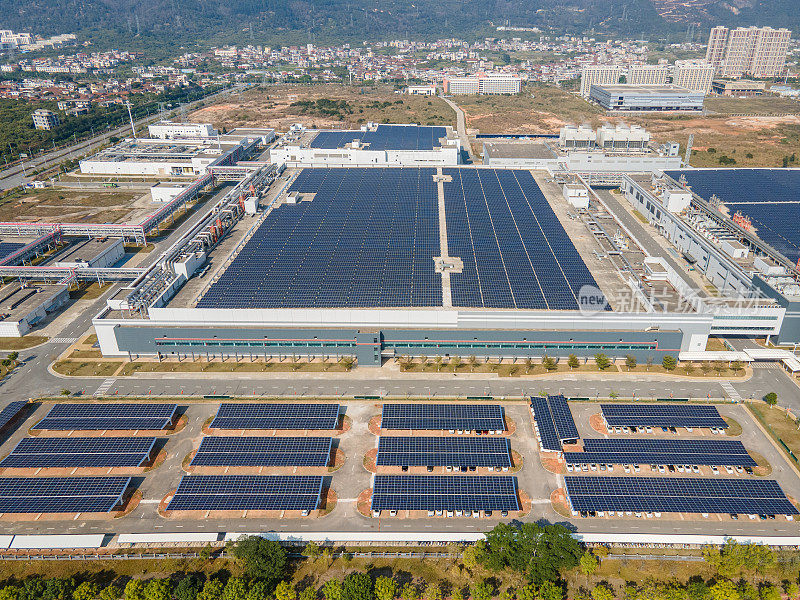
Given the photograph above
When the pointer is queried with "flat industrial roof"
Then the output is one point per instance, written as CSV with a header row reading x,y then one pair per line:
x,y
624,88
529,150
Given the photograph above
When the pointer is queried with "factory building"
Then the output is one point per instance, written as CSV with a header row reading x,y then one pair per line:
x,y
166,130
647,98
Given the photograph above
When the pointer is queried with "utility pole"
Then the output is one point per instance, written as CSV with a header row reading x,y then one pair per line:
x,y
130,116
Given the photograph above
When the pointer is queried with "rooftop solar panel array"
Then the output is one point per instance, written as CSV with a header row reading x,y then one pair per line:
x,y
443,451
472,417
436,492
97,452
662,415
677,494
770,197
554,421
386,137
10,412
61,494
515,251
99,417
367,239
276,416
263,452
8,248
247,492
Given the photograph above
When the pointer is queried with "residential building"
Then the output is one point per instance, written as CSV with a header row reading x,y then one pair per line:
x,y
421,90
647,75
45,119
646,98
598,75
751,51
483,83
695,75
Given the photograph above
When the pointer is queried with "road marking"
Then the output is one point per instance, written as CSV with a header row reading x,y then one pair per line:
x,y
104,387
731,391
63,340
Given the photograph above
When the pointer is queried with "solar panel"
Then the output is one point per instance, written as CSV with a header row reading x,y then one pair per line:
x,y
662,452
8,248
42,453
116,416
247,492
515,252
61,494
769,197
270,415
444,492
10,412
471,417
385,137
228,451
548,436
662,415
443,451
367,238
677,494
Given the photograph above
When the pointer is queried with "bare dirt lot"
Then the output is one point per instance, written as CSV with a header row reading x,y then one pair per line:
x,y
323,106
77,206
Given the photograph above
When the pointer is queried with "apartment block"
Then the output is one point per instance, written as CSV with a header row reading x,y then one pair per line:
x,y
647,75
695,75
492,83
598,75
748,51
45,119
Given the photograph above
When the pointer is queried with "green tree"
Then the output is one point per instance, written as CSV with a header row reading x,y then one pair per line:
x,y
728,561
212,590
285,591
527,592
385,588
473,362
58,588
134,590
308,593
88,590
630,362
236,589
588,564
669,362
12,356
332,589
602,361
507,594
188,587
549,590
771,398
261,558
158,589
537,551
792,589
573,362
457,594
473,555
312,551
32,589
736,366
480,590
549,363
769,592
601,592
723,590
409,592
357,586
259,590
433,591
114,592
9,592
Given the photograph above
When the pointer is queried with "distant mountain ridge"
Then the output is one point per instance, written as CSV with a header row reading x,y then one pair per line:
x,y
260,19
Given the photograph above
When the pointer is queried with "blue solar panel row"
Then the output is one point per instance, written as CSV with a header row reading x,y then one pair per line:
x,y
469,417
8,248
670,494
770,197
90,452
247,492
228,451
11,411
662,415
367,239
515,251
274,415
385,137
548,436
116,416
443,492
443,451
61,494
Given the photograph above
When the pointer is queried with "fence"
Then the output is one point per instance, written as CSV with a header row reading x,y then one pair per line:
x,y
774,433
